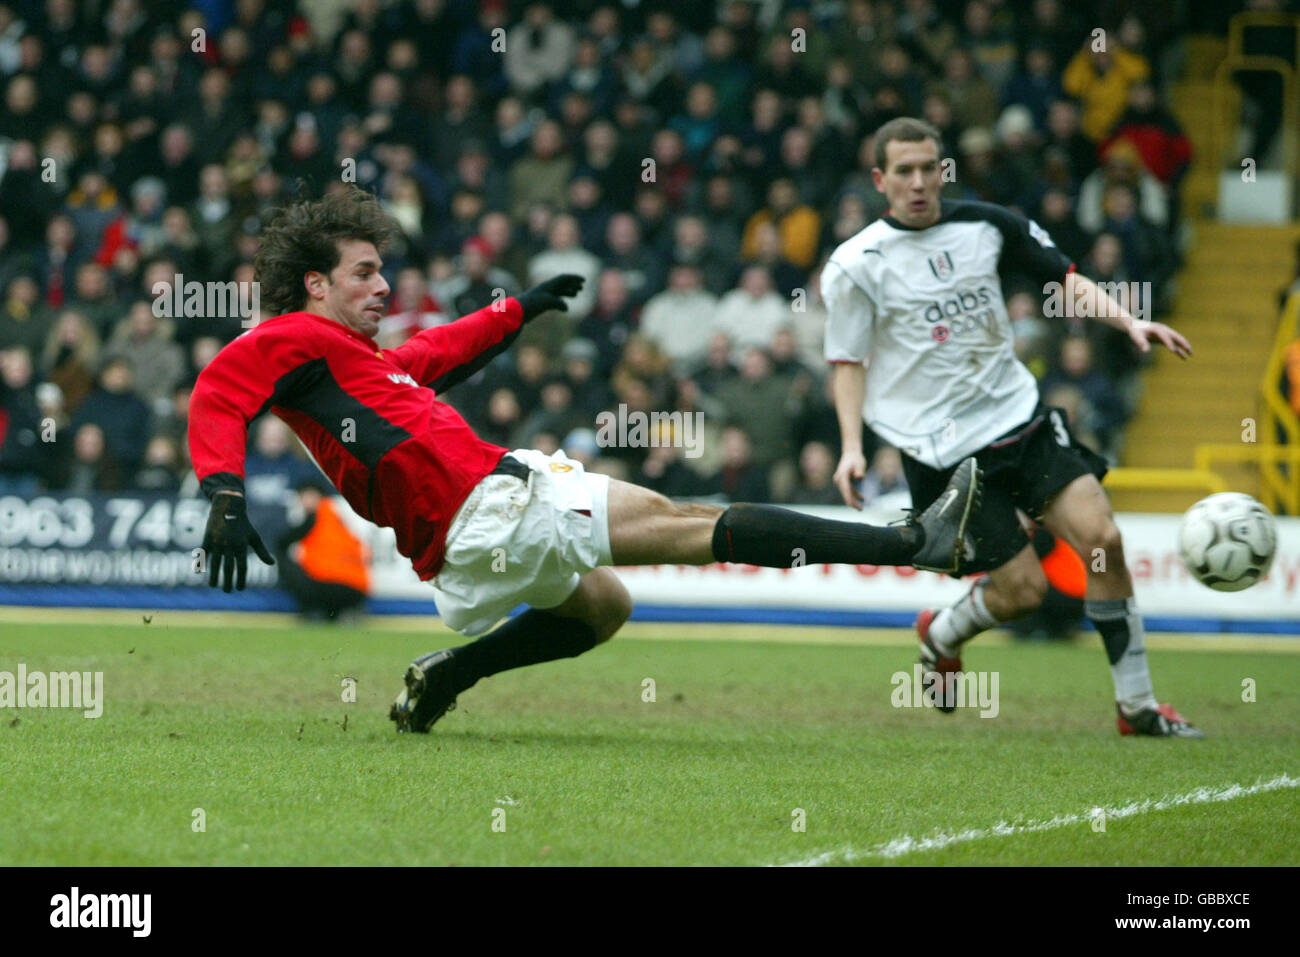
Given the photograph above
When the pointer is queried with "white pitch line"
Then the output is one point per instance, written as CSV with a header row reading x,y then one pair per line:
x,y
941,839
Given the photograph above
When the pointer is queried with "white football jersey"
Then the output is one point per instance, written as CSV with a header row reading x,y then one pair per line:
x,y
924,309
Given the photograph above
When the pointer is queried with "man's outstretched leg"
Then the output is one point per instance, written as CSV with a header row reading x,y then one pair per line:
x,y
646,528
591,615
1081,515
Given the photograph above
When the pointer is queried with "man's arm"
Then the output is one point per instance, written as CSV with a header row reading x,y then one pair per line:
x,y
849,387
234,389
1028,248
449,354
850,319
1100,306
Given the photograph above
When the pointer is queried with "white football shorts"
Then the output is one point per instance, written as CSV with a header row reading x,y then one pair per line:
x,y
514,543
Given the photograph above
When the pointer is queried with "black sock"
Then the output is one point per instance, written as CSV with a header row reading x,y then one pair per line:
x,y
781,538
527,639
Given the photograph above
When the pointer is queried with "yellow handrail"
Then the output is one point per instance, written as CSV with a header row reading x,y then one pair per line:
x,y
1279,463
1222,76
1238,24
1160,479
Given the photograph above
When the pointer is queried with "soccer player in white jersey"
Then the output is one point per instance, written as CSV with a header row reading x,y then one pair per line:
x,y
916,296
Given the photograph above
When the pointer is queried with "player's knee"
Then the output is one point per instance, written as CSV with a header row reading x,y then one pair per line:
x,y
613,610
1104,539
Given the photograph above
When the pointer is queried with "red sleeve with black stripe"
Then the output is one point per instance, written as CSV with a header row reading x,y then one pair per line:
x,y
233,390
445,355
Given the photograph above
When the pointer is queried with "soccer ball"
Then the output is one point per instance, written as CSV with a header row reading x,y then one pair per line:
x,y
1227,541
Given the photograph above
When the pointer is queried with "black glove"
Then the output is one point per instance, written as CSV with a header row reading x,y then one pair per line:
x,y
549,295
226,541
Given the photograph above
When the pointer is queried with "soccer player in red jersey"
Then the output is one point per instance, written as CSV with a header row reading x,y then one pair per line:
x,y
492,528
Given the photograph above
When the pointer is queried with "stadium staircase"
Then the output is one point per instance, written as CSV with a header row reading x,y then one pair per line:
x,y
1188,437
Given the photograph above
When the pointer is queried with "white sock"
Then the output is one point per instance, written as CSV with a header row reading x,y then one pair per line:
x,y
963,621
1120,625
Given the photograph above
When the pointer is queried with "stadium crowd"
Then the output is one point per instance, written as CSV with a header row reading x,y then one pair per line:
x,y
696,162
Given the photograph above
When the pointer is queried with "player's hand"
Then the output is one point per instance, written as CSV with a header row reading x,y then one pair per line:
x,y
550,294
226,541
851,470
1142,332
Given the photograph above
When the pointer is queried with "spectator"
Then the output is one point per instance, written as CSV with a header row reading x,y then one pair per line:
x,y
974,100
160,469
738,479
992,47
321,562
543,175
1056,215
122,416
92,467
885,485
726,74
23,320
588,207
1105,412
758,401
648,77
538,51
643,362
497,229
643,269
26,446
592,76
1065,137
1123,167
1037,85
213,219
678,320
273,469
1148,254
144,341
665,471
610,322
590,390
751,314
411,308
1099,75
610,163
692,247
800,225
816,468
564,255
69,358
93,297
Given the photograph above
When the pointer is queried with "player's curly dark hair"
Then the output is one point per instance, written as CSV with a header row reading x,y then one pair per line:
x,y
303,237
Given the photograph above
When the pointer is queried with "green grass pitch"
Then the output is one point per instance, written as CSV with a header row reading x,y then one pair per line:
x,y
566,763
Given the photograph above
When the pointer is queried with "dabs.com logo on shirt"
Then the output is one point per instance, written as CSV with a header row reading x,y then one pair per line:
x,y
961,314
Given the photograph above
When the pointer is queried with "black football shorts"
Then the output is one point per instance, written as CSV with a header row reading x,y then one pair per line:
x,y
1023,469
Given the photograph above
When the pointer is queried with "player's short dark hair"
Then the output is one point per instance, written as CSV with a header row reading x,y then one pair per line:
x,y
908,129
303,237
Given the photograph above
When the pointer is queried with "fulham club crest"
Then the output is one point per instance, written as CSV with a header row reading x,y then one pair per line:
x,y
941,266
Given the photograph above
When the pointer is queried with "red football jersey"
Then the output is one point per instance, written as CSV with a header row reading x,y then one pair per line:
x,y
369,417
